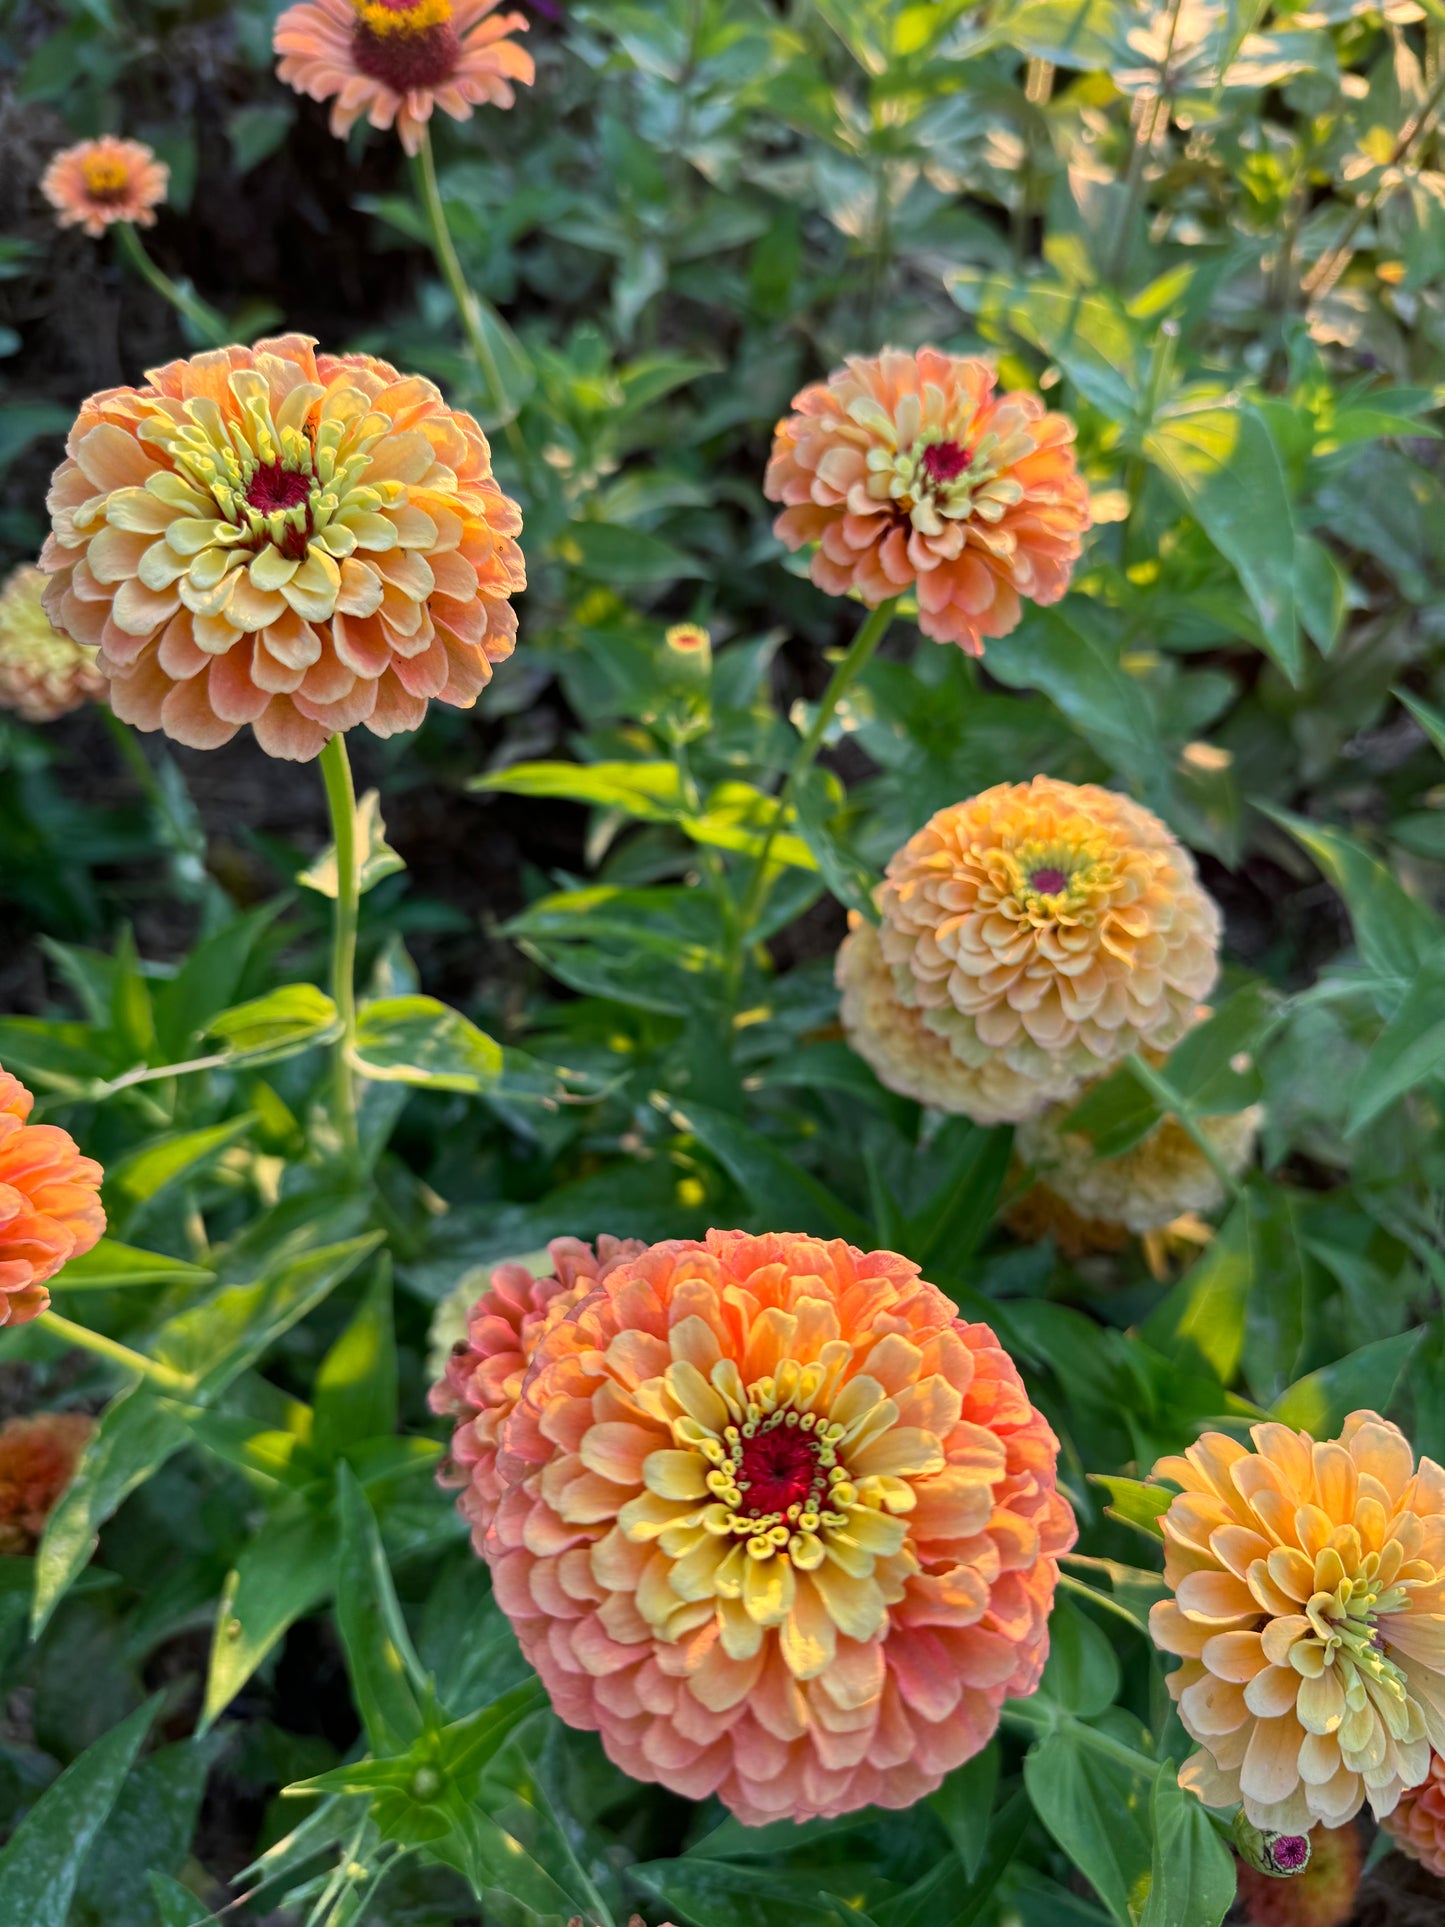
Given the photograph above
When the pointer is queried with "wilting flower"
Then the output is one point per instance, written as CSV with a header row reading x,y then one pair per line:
x,y
1309,1611
98,182
1417,1826
1154,1182
1323,1895
777,1524
482,1379
1034,936
43,674
296,541
909,473
394,60
38,1457
49,1210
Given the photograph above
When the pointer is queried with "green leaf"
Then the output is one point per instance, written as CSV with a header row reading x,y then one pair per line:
x,y
1394,933
109,1265
1082,1672
1201,1321
208,980
42,1861
354,1392
1191,1871
1089,1804
150,1171
1367,1380
778,1194
952,1225
294,1018
387,1679
728,1893
964,1804
1430,720
150,1826
1133,1503
1409,1050
417,1040
176,1905
652,791
375,858
612,553
283,1573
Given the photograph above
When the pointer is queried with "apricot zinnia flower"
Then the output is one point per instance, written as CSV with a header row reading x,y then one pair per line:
x,y
43,674
1034,936
1417,1826
49,1210
1154,1182
98,182
909,473
777,1524
1309,1611
394,60
38,1457
301,542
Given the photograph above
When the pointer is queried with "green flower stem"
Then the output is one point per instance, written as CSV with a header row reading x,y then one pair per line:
x,y
213,328
163,1377
860,653
1042,1721
341,801
1168,1100
467,303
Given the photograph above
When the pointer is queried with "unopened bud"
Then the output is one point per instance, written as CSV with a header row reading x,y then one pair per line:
x,y
1281,1854
426,1784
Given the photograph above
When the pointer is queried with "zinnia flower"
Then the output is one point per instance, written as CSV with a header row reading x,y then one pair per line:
x,y
1417,1826
38,1457
907,472
296,541
1322,1896
43,674
1040,1213
394,60
777,1524
1157,1180
1309,1611
49,1210
98,182
1034,936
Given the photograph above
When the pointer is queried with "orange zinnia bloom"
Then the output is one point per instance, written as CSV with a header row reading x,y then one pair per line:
x,y
394,60
1151,1184
909,473
49,1210
98,182
775,1522
1309,1612
43,674
296,541
38,1457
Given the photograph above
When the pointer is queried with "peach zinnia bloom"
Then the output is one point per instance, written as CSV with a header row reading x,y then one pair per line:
x,y
1417,1826
296,541
43,674
394,60
778,1524
96,183
1031,938
1309,1611
38,1457
49,1210
909,473
1154,1182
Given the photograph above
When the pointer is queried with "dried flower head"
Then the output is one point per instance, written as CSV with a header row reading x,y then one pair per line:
x,y
1309,1612
1151,1184
908,472
49,1208
777,1524
296,541
43,674
38,1457
1417,1826
395,60
98,182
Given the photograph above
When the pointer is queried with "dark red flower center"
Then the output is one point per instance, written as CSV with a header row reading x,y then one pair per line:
x,y
1048,882
779,1468
273,487
412,57
1290,1851
944,461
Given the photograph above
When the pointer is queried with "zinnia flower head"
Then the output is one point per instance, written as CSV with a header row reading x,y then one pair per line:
x,y
98,182
1417,1826
38,1457
1323,1895
394,60
296,541
908,472
43,674
1040,1213
1309,1611
49,1208
777,1523
1035,935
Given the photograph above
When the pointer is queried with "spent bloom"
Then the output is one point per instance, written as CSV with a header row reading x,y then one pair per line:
x,y
1309,1613
98,182
1030,938
1322,1895
50,1210
296,541
1417,1826
43,674
775,1522
908,472
394,60
38,1457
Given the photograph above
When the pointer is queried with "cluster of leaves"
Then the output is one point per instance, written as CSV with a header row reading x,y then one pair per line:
x,y
1213,236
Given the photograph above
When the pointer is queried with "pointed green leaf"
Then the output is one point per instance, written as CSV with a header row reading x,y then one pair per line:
x,y
284,1572
355,1388
110,1266
376,859
387,1679
1366,1380
416,1040
284,1022
1191,1873
1409,1050
1393,931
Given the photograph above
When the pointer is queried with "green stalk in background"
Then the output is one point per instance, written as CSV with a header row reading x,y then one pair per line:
x,y
212,327
341,801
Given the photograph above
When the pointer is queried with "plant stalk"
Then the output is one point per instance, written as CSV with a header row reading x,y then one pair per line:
x,y
213,328
164,1377
1168,1101
341,801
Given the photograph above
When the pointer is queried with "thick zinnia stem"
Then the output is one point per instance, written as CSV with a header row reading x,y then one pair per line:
x,y
164,1377
212,328
1167,1098
341,801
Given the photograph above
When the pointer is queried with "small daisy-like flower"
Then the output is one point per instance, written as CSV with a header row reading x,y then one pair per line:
x,y
908,472
96,183
50,1210
1157,1180
43,674
1034,936
774,1521
394,60
1417,1826
1309,1613
1323,1895
296,541
38,1457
